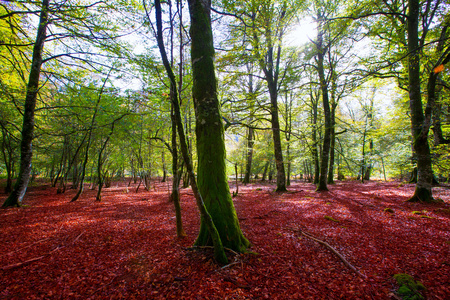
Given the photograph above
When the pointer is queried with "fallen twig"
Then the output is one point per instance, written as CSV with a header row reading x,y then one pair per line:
x,y
19,264
332,249
28,246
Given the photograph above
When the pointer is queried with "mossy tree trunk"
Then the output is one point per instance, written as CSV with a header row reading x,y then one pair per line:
x,y
314,152
202,55
418,130
212,179
26,150
322,184
330,179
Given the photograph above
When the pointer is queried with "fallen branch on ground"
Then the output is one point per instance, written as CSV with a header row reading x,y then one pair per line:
x,y
22,263
332,249
16,265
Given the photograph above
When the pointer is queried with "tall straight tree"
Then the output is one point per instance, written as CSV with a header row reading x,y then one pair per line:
x,y
265,24
321,50
419,132
408,25
26,151
219,223
212,179
69,24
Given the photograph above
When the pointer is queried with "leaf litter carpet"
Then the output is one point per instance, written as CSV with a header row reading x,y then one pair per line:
x,y
125,247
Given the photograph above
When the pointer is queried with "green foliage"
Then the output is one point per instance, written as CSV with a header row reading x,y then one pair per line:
x,y
409,289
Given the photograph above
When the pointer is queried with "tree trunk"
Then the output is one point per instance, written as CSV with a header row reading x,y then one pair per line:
x,y
330,179
175,195
369,164
419,132
100,162
7,151
314,152
89,140
279,163
250,133
248,166
219,223
264,175
322,184
163,161
26,151
212,180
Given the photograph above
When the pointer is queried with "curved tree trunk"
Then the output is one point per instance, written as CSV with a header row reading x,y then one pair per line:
x,y
26,151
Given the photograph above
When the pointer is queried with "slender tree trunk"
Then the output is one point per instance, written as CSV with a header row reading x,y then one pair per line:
x,y
363,161
330,179
279,163
419,134
26,150
314,152
100,162
248,166
250,132
369,164
287,133
264,175
89,140
322,184
175,196
163,161
7,152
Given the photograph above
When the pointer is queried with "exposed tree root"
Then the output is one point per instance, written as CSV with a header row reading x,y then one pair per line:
x,y
332,249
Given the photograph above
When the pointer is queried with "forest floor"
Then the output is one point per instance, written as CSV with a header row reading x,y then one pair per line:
x,y
125,247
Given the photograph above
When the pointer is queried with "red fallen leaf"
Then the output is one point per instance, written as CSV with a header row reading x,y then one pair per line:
x,y
438,69
144,257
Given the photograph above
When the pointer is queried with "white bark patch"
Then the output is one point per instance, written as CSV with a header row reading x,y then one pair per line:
x,y
197,60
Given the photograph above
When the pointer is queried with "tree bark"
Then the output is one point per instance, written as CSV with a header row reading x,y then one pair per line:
x,y
175,195
26,150
212,180
278,153
322,184
250,133
248,165
7,151
314,152
419,131
330,179
219,223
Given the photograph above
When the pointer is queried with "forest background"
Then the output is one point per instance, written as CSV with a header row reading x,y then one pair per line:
x,y
102,106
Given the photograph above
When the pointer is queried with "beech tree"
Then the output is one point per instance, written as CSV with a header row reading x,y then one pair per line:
x,y
65,22
413,22
219,223
16,196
